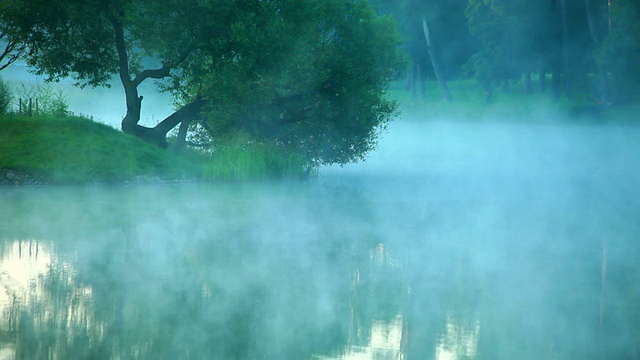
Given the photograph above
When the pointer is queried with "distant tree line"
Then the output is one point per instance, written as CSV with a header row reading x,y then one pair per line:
x,y
586,47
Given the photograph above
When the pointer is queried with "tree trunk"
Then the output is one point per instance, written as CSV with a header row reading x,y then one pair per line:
x,y
543,79
435,63
528,87
181,140
602,93
488,96
566,68
158,134
416,79
555,83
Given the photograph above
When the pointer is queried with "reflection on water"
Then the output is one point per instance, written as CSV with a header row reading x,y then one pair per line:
x,y
46,311
493,262
385,342
200,274
459,340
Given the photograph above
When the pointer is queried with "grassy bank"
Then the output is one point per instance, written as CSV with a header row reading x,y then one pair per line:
x,y
67,149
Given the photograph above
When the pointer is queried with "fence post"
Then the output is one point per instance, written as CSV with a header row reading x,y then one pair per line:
x,y
20,106
30,107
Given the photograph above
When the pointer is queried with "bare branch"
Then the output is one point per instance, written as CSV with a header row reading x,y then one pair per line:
x,y
161,72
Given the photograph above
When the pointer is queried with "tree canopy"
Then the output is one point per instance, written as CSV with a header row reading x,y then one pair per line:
x,y
307,75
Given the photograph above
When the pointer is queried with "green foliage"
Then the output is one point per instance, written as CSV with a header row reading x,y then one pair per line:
x,y
53,149
63,38
6,97
310,76
488,22
240,157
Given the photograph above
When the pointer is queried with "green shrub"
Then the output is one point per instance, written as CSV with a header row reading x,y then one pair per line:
x,y
49,100
5,97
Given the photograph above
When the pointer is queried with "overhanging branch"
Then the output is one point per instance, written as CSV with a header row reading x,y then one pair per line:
x,y
191,111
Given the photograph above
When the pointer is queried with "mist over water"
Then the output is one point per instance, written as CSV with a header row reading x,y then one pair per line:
x,y
455,240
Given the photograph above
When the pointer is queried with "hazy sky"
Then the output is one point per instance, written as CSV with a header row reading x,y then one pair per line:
x,y
106,105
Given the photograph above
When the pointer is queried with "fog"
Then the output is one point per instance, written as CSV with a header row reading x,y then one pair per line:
x,y
487,239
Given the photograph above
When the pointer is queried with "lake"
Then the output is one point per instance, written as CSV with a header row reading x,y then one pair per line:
x,y
455,240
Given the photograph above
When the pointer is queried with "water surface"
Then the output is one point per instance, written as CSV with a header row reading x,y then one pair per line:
x,y
454,241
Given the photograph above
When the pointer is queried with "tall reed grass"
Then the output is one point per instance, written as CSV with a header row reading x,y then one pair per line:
x,y
240,158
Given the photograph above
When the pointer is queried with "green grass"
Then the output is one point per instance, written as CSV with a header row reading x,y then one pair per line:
x,y
67,149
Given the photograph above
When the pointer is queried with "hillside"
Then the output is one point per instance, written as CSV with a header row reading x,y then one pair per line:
x,y
51,149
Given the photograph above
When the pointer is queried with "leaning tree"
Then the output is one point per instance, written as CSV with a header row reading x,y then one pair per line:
x,y
308,75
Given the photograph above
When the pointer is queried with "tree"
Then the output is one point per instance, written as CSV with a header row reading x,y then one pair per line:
x,y
312,78
522,37
436,39
489,20
308,75
618,54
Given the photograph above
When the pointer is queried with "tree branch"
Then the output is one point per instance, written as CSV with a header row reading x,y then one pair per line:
x,y
10,53
189,112
160,73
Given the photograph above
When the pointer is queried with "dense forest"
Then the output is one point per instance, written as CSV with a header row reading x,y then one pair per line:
x,y
571,48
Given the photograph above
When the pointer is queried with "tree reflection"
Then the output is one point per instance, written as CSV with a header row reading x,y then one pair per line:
x,y
287,276
194,284
51,316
